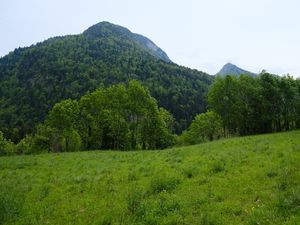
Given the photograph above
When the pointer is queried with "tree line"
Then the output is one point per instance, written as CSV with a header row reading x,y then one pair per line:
x,y
250,105
120,117
247,105
125,117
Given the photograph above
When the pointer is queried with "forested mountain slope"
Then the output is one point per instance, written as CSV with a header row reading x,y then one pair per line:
x,y
34,78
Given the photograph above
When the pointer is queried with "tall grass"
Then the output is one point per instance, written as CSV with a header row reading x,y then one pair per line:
x,y
249,180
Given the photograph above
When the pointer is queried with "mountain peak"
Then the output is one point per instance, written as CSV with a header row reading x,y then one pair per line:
x,y
231,69
106,29
229,64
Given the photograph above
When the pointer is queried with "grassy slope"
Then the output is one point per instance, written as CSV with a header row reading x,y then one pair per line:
x,y
249,180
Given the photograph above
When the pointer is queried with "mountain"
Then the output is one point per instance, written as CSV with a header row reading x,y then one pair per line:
x,y
104,29
230,69
34,78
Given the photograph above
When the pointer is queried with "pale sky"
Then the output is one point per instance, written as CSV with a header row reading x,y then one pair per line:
x,y
200,34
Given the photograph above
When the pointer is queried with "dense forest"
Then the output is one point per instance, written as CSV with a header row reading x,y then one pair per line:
x,y
108,88
33,79
250,105
109,118
126,117
118,117
247,105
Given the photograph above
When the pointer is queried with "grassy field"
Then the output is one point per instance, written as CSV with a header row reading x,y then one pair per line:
x,y
249,180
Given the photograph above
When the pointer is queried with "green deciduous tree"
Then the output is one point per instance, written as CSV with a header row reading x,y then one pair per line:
x,y
118,117
223,98
251,105
205,127
64,119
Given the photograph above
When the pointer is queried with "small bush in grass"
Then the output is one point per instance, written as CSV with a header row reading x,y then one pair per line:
x,y
164,182
288,192
165,208
173,219
190,171
168,203
10,204
271,173
210,219
134,198
289,202
132,175
106,220
217,167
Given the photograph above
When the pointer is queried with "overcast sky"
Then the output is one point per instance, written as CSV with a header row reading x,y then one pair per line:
x,y
201,34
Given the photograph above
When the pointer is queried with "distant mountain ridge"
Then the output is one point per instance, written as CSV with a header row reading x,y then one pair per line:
x,y
231,69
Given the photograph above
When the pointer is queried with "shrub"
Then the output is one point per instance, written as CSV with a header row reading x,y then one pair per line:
x,y
217,167
40,143
190,171
24,146
6,146
164,182
134,199
205,126
11,202
289,203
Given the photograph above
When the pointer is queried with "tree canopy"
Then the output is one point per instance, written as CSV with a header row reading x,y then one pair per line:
x,y
118,117
205,127
250,105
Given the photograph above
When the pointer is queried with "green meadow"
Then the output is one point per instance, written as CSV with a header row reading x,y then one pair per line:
x,y
244,180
